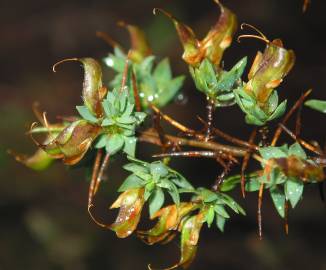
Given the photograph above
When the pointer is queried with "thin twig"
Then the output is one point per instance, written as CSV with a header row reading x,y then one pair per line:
x,y
172,122
150,136
259,213
230,138
99,177
92,190
288,115
135,92
245,163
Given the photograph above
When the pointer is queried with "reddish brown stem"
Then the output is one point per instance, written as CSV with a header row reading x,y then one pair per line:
x,y
219,180
245,163
92,190
230,138
286,216
99,177
152,137
172,122
301,141
288,115
136,92
259,213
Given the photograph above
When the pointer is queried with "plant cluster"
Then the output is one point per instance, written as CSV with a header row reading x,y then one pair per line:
x,y
120,114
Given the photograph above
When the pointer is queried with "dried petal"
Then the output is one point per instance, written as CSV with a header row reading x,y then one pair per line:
x,y
73,142
131,203
269,69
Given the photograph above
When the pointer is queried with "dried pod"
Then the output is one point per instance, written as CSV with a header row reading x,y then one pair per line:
x,y
268,70
169,219
140,48
73,142
131,203
39,161
93,89
294,166
213,45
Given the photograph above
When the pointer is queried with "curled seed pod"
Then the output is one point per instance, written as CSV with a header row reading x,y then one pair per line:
x,y
169,220
131,203
93,90
190,229
213,45
39,161
269,68
73,142
140,48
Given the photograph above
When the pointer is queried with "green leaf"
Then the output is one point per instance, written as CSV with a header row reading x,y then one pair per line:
x,y
228,79
230,183
114,144
174,193
162,71
316,104
171,88
253,184
272,152
132,181
134,167
278,198
210,216
115,62
220,210
297,150
149,188
272,103
253,120
207,73
280,110
107,122
126,120
204,77
130,145
101,142
220,222
182,182
86,114
147,64
229,201
158,170
293,191
140,117
156,201
207,195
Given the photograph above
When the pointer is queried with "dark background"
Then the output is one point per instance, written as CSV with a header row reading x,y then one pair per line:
x,y
43,218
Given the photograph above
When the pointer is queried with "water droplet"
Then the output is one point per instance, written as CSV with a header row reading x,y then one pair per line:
x,y
181,99
109,62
